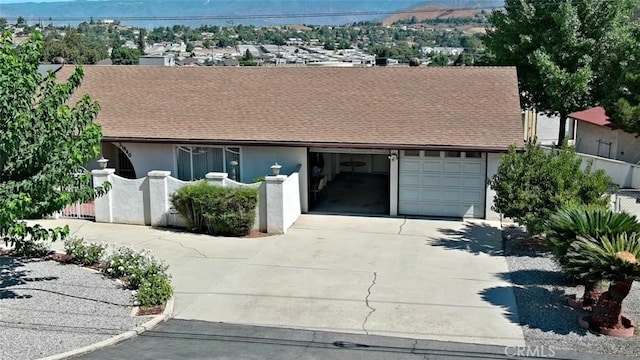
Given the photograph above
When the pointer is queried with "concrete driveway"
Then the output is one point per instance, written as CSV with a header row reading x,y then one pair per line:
x,y
417,278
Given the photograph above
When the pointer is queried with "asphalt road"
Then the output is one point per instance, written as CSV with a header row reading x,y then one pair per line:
x,y
190,339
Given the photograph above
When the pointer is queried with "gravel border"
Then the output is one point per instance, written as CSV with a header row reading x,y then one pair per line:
x,y
540,290
47,308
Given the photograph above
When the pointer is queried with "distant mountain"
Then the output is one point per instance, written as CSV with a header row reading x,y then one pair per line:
x,y
150,13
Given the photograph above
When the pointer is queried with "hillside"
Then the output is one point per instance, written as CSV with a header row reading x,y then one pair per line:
x,y
429,12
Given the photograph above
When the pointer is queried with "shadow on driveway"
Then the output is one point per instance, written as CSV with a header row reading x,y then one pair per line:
x,y
484,238
476,238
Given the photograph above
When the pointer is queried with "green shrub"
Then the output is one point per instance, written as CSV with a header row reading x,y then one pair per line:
x,y
217,210
83,253
142,272
258,179
533,184
31,248
154,290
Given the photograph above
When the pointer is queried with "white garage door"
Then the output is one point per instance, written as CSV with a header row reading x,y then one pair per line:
x,y
442,183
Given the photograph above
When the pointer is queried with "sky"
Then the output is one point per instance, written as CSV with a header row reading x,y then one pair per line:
x,y
24,1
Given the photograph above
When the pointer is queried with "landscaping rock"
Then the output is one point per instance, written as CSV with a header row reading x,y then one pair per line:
x,y
47,308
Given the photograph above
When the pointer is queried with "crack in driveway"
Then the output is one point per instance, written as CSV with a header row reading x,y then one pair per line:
x,y
162,238
366,301
404,222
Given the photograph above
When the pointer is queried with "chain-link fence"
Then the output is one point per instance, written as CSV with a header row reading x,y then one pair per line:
x,y
627,200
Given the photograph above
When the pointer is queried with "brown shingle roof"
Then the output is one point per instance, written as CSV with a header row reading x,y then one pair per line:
x,y
466,107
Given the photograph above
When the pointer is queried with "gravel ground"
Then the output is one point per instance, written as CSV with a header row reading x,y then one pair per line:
x,y
540,290
47,308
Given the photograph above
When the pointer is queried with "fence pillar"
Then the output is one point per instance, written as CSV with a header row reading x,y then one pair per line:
x,y
275,204
158,197
216,178
103,204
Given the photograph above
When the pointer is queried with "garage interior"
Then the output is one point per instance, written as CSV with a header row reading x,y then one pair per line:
x,y
349,182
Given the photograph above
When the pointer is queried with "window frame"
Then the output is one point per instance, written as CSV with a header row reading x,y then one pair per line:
x,y
224,149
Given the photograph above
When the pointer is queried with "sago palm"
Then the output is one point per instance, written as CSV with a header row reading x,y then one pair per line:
x,y
568,224
613,258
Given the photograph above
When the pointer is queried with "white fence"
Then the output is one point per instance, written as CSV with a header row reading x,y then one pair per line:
x,y
624,174
627,200
147,201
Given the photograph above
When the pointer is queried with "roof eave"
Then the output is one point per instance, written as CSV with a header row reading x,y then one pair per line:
x,y
485,148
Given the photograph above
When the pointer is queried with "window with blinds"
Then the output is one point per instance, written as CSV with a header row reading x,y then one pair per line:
x,y
194,162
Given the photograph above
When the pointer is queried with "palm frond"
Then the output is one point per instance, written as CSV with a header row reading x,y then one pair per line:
x,y
568,224
604,258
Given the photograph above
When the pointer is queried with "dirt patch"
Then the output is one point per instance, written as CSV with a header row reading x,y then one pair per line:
x,y
154,310
60,257
516,240
255,234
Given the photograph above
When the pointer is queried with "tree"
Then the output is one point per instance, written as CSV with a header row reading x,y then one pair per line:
x,y
3,23
142,45
571,223
125,56
225,41
561,50
74,48
21,21
623,103
439,60
44,142
463,59
248,59
533,184
611,258
190,47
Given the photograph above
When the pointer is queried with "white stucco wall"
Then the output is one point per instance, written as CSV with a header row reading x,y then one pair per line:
x,y
628,148
547,129
620,172
588,135
132,200
291,204
172,216
148,157
256,162
493,162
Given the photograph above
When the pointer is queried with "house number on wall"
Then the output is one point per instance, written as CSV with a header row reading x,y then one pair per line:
x,y
124,150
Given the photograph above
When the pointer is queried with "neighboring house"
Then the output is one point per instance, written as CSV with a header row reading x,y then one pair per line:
x,y
545,128
422,141
157,60
596,135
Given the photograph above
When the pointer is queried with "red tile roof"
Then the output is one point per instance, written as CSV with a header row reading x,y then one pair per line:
x,y
596,116
465,107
